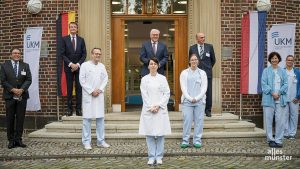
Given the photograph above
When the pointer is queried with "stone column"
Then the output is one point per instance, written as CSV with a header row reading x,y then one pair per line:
x,y
205,16
94,26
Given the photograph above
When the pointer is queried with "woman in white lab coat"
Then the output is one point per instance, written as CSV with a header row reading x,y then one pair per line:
x,y
154,121
93,79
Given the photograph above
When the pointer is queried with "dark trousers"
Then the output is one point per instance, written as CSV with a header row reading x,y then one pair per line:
x,y
15,112
208,95
70,78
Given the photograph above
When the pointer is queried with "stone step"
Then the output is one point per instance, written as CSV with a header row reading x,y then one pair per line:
x,y
134,118
125,125
178,135
133,128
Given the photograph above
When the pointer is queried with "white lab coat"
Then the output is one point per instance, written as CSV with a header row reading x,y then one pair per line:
x,y
155,91
92,77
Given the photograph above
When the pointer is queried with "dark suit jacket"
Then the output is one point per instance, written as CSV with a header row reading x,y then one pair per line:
x,y
10,81
208,60
68,53
147,52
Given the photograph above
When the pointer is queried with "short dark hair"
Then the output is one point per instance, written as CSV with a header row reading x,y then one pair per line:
x,y
289,56
154,59
192,55
73,23
11,50
92,51
272,54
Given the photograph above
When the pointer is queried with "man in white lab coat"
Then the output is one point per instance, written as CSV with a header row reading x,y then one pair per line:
x,y
93,79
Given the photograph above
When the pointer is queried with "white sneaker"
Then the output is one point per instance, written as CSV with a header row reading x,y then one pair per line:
x,y
150,162
87,147
104,145
159,162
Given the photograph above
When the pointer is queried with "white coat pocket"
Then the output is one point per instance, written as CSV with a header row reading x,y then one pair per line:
x,y
198,82
295,81
86,98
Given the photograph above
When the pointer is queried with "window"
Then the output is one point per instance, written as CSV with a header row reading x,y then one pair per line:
x,y
149,7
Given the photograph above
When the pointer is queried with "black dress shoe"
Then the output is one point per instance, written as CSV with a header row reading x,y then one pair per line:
x,y
20,144
10,145
78,113
272,144
208,113
278,145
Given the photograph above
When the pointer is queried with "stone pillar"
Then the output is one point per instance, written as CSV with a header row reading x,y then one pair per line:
x,y
205,16
94,26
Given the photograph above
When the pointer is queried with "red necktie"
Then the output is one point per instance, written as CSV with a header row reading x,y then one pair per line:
x,y
73,42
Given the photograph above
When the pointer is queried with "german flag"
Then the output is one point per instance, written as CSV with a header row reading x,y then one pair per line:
x,y
62,29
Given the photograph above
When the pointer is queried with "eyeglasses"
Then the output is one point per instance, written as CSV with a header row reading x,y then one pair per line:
x,y
16,53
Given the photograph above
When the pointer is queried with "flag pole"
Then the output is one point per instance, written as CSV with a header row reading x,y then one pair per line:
x,y
57,107
241,106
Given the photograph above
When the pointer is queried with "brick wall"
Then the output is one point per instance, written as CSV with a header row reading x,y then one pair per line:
x,y
13,23
15,19
282,11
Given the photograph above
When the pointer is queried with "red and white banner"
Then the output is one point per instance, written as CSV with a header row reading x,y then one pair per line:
x,y
252,51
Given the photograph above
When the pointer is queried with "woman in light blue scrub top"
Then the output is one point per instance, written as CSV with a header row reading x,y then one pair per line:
x,y
274,85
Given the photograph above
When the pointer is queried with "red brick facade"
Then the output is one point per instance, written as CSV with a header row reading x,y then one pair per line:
x,y
13,23
231,14
15,19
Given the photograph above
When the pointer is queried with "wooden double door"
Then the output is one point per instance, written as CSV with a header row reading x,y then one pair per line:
x,y
128,34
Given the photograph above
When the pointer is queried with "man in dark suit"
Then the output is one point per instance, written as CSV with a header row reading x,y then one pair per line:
x,y
153,48
74,53
15,80
206,55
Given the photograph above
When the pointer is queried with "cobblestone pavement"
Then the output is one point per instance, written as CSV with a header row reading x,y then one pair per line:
x,y
215,153
182,162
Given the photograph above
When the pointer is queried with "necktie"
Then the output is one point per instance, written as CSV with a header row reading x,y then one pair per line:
x,y
16,68
73,42
201,51
154,48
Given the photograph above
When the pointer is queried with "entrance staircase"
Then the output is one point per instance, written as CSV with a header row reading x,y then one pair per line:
x,y
125,125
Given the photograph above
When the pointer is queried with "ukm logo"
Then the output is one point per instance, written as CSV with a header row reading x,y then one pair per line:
x,y
281,41
32,44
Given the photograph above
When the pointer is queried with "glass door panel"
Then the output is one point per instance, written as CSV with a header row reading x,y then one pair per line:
x,y
136,33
